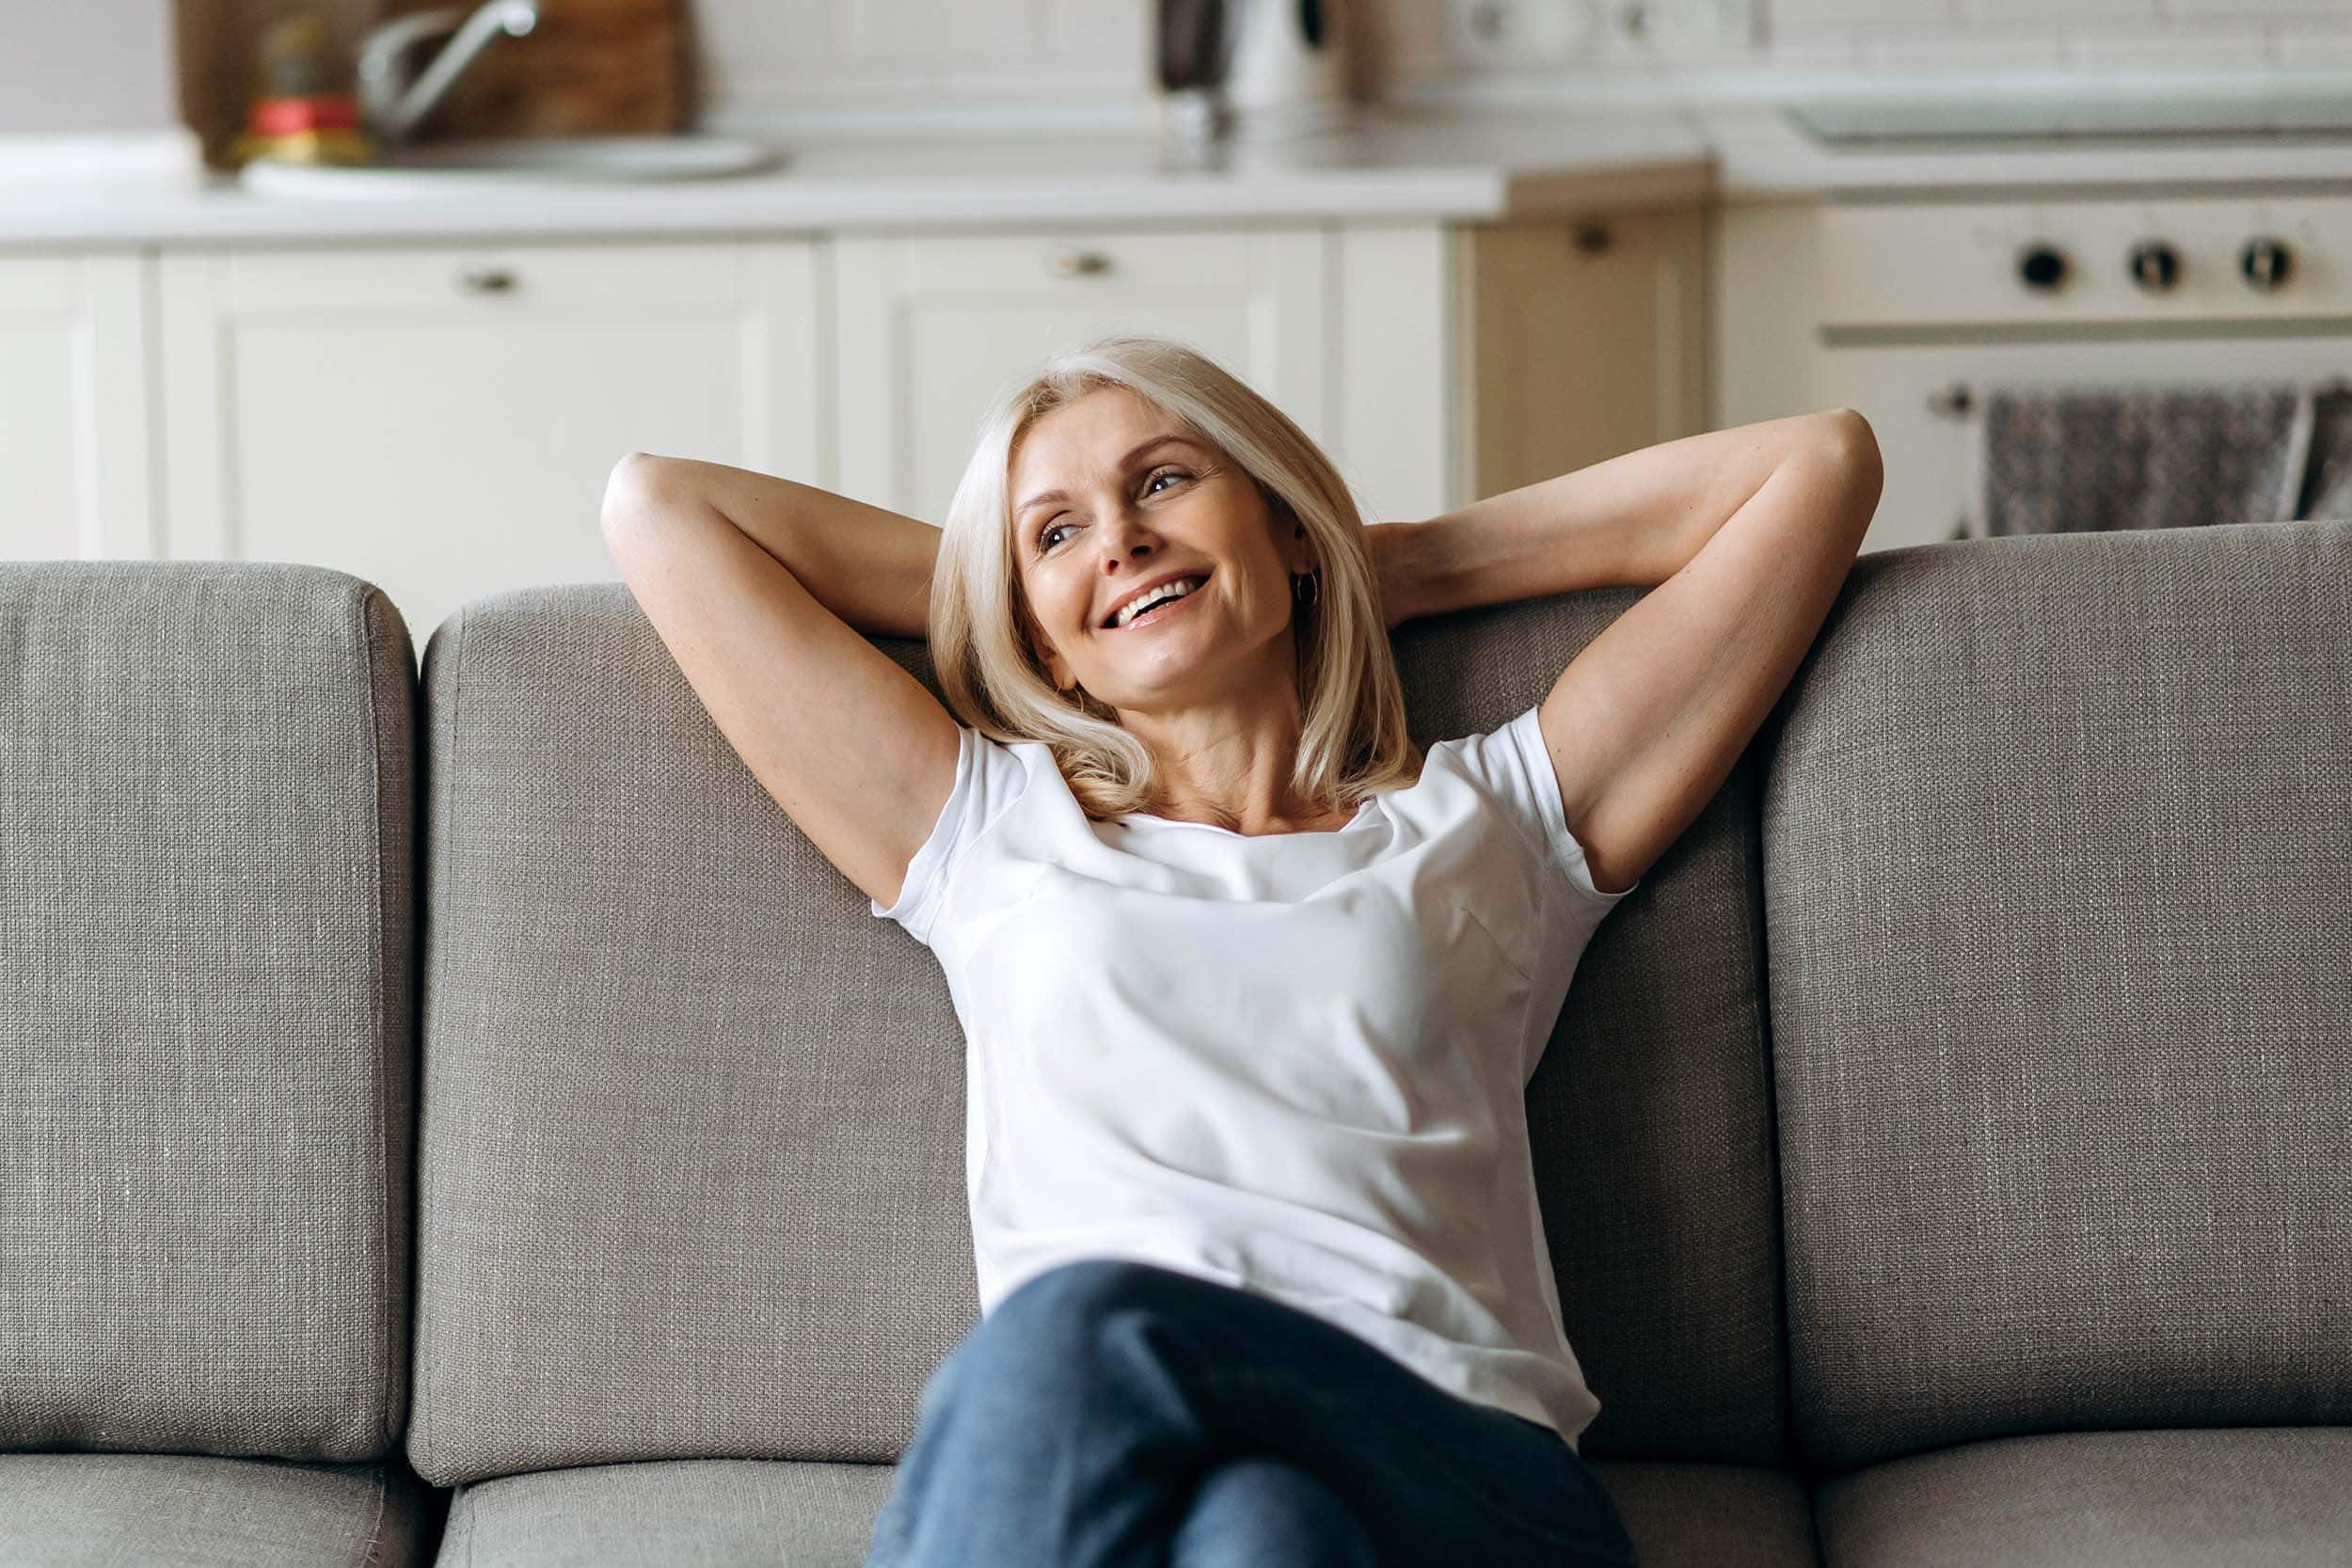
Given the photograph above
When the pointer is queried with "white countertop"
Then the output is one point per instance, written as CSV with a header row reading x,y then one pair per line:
x,y
1400,161
1394,165
1759,155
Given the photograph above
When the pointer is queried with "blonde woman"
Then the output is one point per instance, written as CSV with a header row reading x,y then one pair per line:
x,y
1252,988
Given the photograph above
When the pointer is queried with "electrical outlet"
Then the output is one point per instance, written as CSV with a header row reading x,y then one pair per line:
x,y
1670,24
1521,32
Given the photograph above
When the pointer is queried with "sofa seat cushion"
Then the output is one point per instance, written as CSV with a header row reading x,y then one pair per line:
x,y
194,1511
1735,1515
716,1513
776,1514
2272,1497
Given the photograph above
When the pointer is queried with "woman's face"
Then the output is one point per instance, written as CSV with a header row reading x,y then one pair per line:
x,y
1120,514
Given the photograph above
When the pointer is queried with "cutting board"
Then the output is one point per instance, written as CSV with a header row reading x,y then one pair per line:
x,y
589,68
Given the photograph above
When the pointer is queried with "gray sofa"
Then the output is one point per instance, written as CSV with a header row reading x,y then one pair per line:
x,y
459,1118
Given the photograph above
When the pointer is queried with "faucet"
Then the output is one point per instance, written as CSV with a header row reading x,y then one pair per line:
x,y
390,107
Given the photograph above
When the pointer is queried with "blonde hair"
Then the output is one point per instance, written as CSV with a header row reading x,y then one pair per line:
x,y
1353,741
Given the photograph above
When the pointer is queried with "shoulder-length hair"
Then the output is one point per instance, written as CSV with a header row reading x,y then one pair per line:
x,y
984,637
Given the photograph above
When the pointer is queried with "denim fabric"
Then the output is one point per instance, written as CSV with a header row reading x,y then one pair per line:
x,y
1112,1412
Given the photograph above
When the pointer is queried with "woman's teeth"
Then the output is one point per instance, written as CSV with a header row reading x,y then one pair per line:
x,y
1157,597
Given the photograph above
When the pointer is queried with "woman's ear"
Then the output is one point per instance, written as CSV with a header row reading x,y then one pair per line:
x,y
1033,639
1056,672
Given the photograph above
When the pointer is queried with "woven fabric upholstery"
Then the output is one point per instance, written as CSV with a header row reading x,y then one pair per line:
x,y
704,1511
691,1179
2058,852
192,1511
207,809
1650,1116
2272,1496
721,1510
1681,1513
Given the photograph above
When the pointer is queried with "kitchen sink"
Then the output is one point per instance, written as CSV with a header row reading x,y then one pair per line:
x,y
506,164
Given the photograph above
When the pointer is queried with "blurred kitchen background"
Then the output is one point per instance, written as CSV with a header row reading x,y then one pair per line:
x,y
390,287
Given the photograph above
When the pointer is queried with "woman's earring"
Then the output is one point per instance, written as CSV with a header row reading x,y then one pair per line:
x,y
1307,587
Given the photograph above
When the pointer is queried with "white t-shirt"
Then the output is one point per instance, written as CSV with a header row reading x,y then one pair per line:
x,y
1295,1063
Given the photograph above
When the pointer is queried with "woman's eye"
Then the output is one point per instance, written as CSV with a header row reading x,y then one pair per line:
x,y
1045,539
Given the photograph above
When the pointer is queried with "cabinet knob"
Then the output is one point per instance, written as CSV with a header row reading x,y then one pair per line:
x,y
485,280
1952,402
1071,263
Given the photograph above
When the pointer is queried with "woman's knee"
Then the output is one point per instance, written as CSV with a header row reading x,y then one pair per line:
x,y
1063,1307
1258,1509
1052,1323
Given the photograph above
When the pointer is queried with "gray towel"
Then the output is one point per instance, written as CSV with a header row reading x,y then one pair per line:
x,y
2328,477
2077,459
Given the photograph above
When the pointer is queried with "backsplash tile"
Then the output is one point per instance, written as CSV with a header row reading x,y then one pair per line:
x,y
2189,46
2126,15
1428,51
2011,46
1800,18
872,64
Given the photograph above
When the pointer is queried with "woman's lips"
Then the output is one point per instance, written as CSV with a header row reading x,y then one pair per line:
x,y
1170,608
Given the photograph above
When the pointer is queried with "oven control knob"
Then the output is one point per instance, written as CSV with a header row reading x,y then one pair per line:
x,y
2156,266
2042,267
2265,262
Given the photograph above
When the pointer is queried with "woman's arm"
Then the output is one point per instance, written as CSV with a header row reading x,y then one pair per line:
x,y
1633,519
854,750
867,564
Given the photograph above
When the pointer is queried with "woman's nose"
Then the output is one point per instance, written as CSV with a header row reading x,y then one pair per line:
x,y
1124,538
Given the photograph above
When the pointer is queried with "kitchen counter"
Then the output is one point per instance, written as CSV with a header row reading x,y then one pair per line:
x,y
1401,165
1760,155
1405,162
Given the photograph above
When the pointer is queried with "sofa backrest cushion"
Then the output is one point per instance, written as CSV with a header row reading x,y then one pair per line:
x,y
207,986
2058,869
692,1172
1650,1117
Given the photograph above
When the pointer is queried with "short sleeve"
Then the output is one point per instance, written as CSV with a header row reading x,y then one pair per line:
x,y
989,777
1514,763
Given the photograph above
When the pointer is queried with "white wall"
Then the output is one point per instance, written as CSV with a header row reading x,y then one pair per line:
x,y
108,64
86,65
821,61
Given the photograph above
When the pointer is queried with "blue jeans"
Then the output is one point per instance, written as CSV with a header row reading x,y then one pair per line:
x,y
1116,1414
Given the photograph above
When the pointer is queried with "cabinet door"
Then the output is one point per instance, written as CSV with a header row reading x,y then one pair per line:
x,y
1343,330
1584,339
77,479
440,420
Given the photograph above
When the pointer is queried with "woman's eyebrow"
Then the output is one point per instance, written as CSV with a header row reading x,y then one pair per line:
x,y
1126,462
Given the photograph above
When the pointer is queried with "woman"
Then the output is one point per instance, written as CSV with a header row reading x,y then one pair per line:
x,y
1252,988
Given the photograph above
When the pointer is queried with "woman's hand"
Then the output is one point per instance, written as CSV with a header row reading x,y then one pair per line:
x,y
1396,566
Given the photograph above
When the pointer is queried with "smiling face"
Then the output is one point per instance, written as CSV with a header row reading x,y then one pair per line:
x,y
1109,496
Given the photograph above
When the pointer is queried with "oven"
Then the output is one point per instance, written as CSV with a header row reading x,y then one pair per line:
x,y
1909,305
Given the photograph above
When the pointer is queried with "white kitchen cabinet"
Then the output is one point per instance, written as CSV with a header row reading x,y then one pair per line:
x,y
440,420
1343,327
77,472
1579,340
